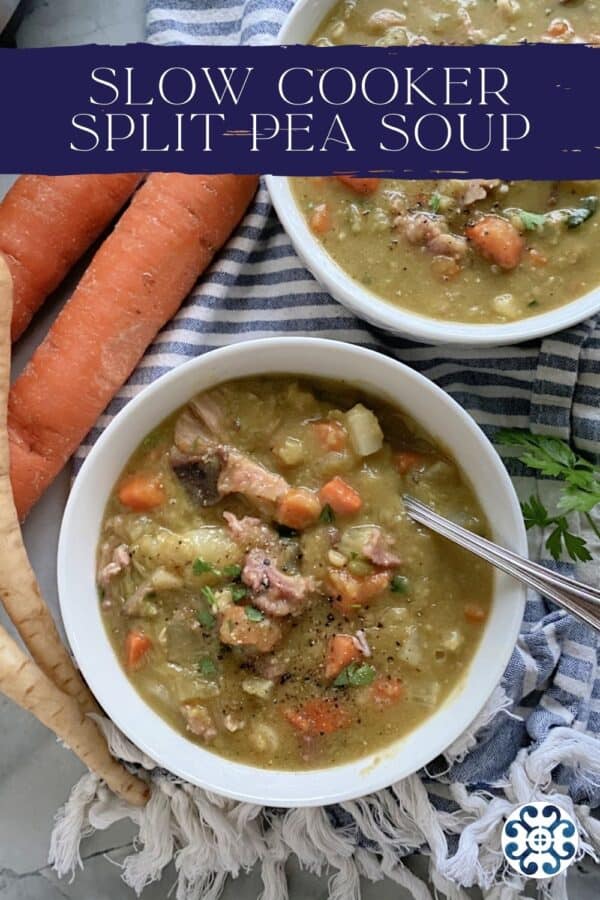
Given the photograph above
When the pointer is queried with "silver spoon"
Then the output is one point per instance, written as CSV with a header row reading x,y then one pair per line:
x,y
579,599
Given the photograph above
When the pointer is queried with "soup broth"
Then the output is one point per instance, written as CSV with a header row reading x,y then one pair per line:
x,y
263,587
479,250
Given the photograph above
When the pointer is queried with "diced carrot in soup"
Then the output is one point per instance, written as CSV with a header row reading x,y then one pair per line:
x,y
142,492
331,435
299,508
475,613
350,592
363,186
340,496
137,645
341,651
497,240
405,460
318,716
320,220
386,691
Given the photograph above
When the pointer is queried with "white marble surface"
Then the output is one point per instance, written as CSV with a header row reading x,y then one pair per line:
x,y
36,773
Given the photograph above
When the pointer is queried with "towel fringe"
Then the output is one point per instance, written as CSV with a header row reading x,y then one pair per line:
x,y
211,838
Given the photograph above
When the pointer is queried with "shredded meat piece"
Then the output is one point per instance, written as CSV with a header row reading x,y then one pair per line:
x,y
241,475
360,641
275,592
431,231
207,408
119,559
421,227
191,436
250,532
452,245
133,604
377,550
477,189
199,721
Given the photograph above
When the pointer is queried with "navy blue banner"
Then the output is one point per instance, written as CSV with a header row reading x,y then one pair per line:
x,y
527,111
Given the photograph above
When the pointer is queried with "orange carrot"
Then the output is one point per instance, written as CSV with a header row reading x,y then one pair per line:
x,y
474,613
298,508
497,240
133,286
141,492
318,717
342,498
350,593
405,460
320,220
359,185
330,434
137,644
341,651
47,223
386,691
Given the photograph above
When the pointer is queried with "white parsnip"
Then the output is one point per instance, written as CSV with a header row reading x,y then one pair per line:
x,y
50,687
19,589
23,682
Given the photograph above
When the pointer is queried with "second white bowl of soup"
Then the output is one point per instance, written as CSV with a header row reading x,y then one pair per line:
x,y
249,601
477,262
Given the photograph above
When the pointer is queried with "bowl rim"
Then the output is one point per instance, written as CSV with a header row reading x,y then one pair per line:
x,y
370,306
94,653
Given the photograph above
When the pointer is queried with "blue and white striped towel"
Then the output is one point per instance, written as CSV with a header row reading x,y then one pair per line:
x,y
544,730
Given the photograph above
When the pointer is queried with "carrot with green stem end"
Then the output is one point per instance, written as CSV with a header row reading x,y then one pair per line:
x,y
19,589
47,222
135,283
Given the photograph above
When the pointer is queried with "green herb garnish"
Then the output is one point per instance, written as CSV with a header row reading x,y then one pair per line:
x,y
577,217
531,221
327,514
233,571
434,202
355,675
206,618
200,566
555,459
253,614
209,595
207,668
238,592
399,584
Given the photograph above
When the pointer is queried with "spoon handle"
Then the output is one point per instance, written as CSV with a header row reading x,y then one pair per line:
x,y
577,598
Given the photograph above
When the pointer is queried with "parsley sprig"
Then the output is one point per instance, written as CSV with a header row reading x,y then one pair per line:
x,y
555,459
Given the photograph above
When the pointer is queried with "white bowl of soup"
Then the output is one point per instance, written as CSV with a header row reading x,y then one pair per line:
x,y
478,261
245,594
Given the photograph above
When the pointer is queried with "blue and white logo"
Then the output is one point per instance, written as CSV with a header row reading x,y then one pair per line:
x,y
539,840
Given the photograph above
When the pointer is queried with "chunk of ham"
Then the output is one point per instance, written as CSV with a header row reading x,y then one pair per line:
x,y
477,189
250,532
241,475
199,721
275,593
431,231
209,411
118,560
377,549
